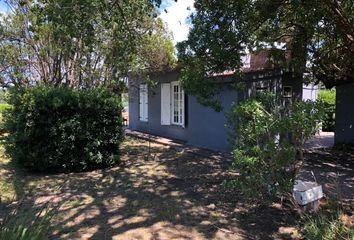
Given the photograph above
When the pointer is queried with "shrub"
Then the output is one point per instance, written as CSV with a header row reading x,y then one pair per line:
x,y
60,128
328,98
268,140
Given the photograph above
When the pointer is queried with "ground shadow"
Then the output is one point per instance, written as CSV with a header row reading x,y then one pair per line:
x,y
167,194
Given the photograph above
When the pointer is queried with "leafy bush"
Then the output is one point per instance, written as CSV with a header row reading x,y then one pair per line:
x,y
4,106
25,223
268,140
328,98
59,128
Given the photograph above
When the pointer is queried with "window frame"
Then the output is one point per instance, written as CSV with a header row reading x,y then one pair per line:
x,y
180,101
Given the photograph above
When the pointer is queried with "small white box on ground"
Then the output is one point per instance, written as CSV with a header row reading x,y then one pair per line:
x,y
306,192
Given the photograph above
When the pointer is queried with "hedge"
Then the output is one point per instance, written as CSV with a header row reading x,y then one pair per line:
x,y
328,98
63,129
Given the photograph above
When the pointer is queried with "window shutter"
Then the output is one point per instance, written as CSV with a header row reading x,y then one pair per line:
x,y
183,105
165,104
143,103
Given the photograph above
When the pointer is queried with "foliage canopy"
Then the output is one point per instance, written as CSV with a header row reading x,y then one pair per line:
x,y
316,36
81,43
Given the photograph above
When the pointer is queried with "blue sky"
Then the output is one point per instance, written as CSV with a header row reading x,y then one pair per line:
x,y
3,6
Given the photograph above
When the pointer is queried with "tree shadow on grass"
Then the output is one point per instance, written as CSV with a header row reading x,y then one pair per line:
x,y
168,195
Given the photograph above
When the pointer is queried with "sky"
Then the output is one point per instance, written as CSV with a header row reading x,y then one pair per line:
x,y
3,7
176,16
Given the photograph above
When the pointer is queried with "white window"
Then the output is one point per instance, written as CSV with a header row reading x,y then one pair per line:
x,y
172,104
143,102
177,116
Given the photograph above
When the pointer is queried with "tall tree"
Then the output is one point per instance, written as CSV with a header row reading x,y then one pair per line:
x,y
316,34
78,43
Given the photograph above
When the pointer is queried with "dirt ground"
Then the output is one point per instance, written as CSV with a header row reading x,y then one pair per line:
x,y
167,194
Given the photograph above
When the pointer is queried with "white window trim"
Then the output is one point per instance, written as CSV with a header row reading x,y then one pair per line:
x,y
181,110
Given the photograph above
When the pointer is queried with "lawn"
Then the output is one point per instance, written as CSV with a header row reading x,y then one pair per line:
x,y
168,194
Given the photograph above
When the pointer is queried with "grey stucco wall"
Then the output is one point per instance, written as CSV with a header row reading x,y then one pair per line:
x,y
344,127
205,127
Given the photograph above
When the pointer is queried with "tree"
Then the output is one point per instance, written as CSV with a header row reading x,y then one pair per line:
x,y
317,37
80,43
157,53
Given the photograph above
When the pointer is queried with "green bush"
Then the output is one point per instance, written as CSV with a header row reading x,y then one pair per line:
x,y
328,98
268,139
63,129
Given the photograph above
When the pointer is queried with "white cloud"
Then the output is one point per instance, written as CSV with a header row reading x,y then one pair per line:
x,y
176,18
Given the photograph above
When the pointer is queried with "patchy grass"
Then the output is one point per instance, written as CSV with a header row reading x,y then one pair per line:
x,y
25,223
328,224
168,194
7,188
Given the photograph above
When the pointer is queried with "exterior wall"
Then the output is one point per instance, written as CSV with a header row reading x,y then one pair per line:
x,y
204,127
344,128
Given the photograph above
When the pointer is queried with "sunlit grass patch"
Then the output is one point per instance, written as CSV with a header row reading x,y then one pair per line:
x,y
7,188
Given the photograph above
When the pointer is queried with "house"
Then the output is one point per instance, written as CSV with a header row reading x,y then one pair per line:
x,y
167,111
344,126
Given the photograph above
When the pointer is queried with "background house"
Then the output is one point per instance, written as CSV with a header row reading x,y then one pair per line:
x,y
165,110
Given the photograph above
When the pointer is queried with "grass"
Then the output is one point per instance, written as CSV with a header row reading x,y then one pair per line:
x,y
326,226
7,188
329,223
23,223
